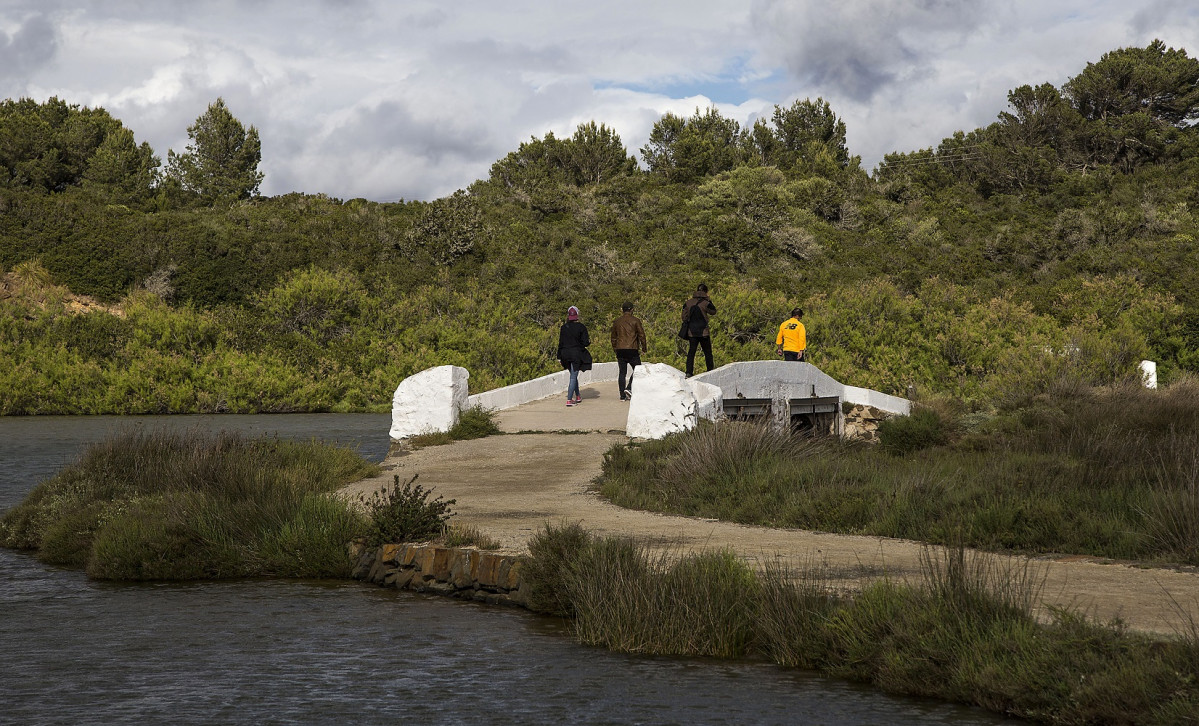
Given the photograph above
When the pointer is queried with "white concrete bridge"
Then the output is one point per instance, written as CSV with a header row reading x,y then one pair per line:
x,y
664,401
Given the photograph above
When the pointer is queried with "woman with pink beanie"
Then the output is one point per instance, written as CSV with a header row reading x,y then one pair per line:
x,y
572,352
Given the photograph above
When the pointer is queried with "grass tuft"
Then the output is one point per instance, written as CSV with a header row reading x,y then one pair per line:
x,y
473,423
461,535
554,558
625,598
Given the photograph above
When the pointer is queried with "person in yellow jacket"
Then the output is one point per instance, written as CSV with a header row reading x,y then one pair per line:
x,y
792,341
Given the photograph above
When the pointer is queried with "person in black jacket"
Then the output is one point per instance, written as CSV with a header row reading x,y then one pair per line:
x,y
696,312
572,352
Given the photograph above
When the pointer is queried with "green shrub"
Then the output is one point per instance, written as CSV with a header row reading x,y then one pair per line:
x,y
405,514
190,504
474,423
923,429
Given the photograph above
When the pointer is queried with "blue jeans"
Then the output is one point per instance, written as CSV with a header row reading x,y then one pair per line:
x,y
572,390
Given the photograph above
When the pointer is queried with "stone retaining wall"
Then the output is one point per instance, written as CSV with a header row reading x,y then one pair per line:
x,y
460,572
861,423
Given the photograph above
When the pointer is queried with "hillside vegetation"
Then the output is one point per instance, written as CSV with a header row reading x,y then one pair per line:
x,y
1058,241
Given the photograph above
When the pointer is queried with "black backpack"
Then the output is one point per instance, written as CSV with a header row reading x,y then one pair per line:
x,y
697,320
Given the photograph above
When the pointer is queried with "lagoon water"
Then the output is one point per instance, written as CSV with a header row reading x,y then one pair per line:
x,y
76,651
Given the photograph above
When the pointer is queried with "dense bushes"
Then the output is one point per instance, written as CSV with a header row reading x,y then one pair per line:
x,y
322,340
152,505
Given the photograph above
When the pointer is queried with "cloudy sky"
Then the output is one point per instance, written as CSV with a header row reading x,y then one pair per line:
x,y
412,99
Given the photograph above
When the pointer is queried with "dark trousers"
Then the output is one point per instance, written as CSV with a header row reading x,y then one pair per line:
x,y
627,360
706,343
792,355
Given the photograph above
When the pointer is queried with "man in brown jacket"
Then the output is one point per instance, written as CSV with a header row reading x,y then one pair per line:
x,y
628,340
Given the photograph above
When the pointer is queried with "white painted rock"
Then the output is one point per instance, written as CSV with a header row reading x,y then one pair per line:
x,y
663,403
429,401
1149,373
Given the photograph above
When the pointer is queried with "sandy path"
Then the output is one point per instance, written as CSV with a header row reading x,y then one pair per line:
x,y
511,486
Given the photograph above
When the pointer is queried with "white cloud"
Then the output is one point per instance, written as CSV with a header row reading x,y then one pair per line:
x,y
906,74
385,100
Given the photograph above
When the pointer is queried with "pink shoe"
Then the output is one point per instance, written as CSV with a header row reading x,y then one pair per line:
x,y
569,402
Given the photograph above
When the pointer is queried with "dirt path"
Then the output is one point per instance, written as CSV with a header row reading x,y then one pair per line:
x,y
511,486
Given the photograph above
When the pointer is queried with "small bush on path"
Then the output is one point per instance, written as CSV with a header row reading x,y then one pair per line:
x,y
405,514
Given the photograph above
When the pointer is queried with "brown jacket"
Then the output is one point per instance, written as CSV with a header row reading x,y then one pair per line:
x,y
628,334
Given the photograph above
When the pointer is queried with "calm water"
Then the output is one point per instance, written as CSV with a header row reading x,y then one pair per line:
x,y
76,651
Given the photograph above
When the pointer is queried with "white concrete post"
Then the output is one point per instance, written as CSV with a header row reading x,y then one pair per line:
x,y
1149,373
663,403
429,401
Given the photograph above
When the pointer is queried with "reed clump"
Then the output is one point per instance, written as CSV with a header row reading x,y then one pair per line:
x,y
1108,472
608,586
462,535
181,505
473,423
965,632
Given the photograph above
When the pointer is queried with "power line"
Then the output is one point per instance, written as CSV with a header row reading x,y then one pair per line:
x,y
937,160
966,153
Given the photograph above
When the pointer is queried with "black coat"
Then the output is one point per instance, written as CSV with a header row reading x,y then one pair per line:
x,y
696,312
572,344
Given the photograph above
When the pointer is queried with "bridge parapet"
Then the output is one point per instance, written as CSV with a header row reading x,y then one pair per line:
x,y
431,400
499,399
782,381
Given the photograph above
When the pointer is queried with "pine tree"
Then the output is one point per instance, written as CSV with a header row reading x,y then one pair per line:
x,y
221,162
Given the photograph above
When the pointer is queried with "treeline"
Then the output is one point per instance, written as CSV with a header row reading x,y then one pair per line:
x,y
1133,108
1060,240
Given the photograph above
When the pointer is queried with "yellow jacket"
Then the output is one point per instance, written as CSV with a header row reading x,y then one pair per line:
x,y
792,336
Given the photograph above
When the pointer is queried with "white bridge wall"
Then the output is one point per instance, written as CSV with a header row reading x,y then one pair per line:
x,y
776,380
781,380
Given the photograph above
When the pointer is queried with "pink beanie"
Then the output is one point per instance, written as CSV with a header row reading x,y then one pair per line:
x,y
572,313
